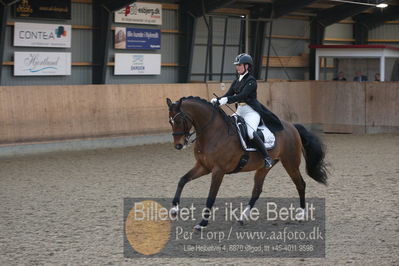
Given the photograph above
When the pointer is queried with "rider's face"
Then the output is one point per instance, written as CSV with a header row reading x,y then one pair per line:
x,y
240,68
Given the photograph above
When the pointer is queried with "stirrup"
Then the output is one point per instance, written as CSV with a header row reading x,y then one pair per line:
x,y
268,162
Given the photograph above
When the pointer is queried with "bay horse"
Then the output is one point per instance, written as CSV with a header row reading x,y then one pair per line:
x,y
218,151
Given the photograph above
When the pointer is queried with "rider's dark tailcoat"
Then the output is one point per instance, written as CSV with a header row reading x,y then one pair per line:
x,y
244,91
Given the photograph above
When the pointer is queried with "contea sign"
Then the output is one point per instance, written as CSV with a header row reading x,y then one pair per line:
x,y
42,35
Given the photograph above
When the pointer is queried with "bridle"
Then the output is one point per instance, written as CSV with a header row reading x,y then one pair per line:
x,y
186,130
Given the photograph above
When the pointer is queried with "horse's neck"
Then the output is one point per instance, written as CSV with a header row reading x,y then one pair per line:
x,y
199,113
209,124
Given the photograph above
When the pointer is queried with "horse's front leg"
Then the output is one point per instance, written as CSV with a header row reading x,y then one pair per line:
x,y
197,171
259,178
217,177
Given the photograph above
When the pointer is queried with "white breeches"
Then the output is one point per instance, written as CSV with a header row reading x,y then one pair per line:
x,y
251,117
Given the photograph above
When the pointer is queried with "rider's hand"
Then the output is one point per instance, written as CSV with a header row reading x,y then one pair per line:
x,y
214,101
223,101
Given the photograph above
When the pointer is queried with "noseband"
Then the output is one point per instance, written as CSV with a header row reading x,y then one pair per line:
x,y
185,131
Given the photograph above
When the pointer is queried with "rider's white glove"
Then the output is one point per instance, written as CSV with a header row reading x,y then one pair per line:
x,y
214,100
223,101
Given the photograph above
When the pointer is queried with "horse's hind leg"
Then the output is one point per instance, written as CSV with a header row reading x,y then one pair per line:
x,y
292,169
259,178
197,171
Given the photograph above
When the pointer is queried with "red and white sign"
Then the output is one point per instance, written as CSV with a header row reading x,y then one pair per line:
x,y
140,13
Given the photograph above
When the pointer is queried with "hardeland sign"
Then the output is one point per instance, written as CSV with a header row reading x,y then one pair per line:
x,y
53,9
140,13
42,64
134,38
42,35
137,64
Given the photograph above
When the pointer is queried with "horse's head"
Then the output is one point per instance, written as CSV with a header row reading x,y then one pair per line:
x,y
181,124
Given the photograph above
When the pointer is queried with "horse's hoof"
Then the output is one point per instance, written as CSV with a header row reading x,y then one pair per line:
x,y
174,211
241,222
300,216
198,228
245,215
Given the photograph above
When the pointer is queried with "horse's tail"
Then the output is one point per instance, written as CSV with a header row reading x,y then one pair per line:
x,y
314,152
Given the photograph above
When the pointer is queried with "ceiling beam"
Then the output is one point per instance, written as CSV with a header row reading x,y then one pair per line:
x,y
199,8
320,5
9,2
283,7
215,4
337,13
378,18
261,11
114,5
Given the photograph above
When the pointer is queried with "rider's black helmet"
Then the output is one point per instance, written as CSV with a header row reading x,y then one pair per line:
x,y
243,59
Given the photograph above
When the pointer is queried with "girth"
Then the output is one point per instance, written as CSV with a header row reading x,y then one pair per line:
x,y
241,164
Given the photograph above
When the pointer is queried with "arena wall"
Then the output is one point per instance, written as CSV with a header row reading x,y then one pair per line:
x,y
339,107
42,113
48,113
382,107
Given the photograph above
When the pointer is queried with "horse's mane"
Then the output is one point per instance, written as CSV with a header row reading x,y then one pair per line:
x,y
226,118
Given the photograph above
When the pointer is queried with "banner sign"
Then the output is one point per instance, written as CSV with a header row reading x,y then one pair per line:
x,y
137,64
42,35
42,64
140,13
271,229
133,38
54,9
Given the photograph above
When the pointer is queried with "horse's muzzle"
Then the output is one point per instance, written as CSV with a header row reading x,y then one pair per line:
x,y
179,146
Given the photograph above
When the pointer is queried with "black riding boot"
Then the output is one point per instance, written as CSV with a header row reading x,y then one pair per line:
x,y
261,148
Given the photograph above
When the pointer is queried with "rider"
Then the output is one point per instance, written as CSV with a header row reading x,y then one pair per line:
x,y
243,92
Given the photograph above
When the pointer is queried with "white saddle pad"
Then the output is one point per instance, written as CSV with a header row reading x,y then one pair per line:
x,y
269,137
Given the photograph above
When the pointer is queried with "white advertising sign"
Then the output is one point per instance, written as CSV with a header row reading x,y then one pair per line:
x,y
140,13
42,35
42,64
137,64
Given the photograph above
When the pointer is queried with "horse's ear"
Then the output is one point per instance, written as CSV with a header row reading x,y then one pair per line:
x,y
168,102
